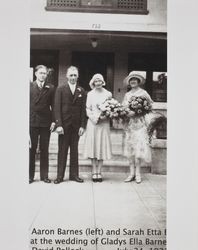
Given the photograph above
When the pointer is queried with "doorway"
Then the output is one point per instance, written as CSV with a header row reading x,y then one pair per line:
x,y
90,63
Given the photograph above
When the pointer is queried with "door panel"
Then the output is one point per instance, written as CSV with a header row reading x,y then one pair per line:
x,y
90,63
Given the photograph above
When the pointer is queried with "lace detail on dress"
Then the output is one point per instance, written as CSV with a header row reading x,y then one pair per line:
x,y
136,136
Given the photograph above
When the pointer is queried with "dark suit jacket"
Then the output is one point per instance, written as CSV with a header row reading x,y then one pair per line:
x,y
69,109
41,105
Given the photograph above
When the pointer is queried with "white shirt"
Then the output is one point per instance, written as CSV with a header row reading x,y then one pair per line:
x,y
72,87
40,84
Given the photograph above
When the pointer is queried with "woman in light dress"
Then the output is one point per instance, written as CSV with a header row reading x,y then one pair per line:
x,y
137,147
97,145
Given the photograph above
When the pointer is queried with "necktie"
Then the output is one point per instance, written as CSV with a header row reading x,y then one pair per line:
x,y
40,85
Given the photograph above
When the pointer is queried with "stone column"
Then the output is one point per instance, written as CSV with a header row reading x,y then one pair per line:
x,y
120,72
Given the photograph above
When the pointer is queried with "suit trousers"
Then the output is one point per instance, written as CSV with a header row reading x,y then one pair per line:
x,y
68,140
44,134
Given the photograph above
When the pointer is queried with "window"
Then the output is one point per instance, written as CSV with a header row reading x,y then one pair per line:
x,y
155,66
49,58
103,6
159,86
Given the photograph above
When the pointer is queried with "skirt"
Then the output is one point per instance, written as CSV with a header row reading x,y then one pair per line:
x,y
136,143
97,140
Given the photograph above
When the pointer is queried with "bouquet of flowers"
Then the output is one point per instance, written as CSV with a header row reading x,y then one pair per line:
x,y
112,109
138,105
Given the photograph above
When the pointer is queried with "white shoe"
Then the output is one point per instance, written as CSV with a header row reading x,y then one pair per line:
x,y
138,179
129,178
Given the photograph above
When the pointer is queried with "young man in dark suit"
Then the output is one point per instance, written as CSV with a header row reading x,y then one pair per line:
x,y
41,122
70,116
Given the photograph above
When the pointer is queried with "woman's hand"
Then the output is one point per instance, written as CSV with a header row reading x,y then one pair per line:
x,y
102,117
131,113
94,119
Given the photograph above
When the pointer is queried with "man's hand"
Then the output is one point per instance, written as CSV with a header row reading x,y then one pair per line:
x,y
81,131
60,130
52,126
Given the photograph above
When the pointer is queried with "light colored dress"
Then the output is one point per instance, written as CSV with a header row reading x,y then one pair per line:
x,y
136,143
97,137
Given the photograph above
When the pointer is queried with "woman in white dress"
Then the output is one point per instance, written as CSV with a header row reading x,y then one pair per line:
x,y
97,145
137,147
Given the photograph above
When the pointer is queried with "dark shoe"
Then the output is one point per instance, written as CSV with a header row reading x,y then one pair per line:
x,y
31,181
77,179
94,178
99,178
58,180
46,180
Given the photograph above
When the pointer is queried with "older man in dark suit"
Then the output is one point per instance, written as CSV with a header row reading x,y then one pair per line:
x,y
41,121
70,116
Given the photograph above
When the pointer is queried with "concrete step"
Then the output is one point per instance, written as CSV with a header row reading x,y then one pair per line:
x,y
116,149
118,163
116,154
86,167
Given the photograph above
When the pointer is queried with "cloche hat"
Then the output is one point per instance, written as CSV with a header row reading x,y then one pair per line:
x,y
141,75
94,78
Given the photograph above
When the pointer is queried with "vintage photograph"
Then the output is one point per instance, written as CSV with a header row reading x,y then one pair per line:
x,y
98,124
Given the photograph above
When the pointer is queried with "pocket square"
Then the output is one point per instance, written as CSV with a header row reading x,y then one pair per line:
x,y
80,95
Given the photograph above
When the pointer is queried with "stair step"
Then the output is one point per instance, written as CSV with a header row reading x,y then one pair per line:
x,y
118,163
106,168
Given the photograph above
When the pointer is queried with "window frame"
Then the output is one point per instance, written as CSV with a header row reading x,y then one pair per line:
x,y
98,9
